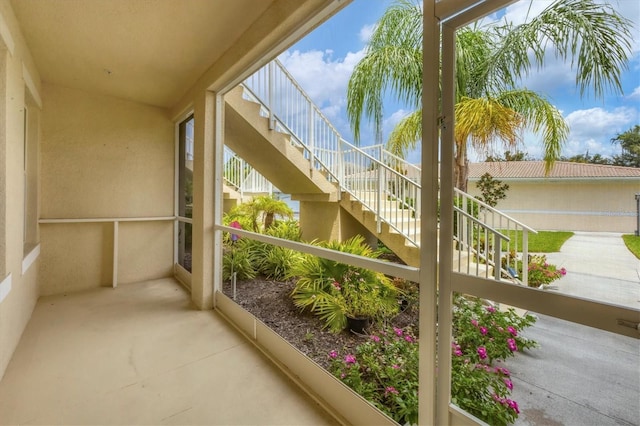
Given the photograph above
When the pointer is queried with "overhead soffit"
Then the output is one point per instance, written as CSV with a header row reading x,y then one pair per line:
x,y
150,51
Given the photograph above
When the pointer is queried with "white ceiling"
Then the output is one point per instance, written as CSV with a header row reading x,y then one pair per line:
x,y
150,51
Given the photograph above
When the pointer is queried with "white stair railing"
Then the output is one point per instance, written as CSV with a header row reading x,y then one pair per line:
x,y
243,178
382,182
513,233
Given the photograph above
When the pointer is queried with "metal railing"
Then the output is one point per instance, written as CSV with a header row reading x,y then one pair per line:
x,y
382,182
240,176
513,235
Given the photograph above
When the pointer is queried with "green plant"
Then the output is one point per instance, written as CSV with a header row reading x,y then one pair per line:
x,y
542,242
492,190
333,290
633,244
240,259
276,262
259,213
542,273
483,338
384,370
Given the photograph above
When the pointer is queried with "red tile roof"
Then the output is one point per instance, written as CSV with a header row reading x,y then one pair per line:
x,y
560,170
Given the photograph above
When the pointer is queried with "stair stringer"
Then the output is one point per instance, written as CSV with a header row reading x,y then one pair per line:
x,y
271,152
409,253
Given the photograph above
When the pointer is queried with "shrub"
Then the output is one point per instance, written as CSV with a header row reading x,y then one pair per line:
x,y
483,338
384,370
542,273
333,290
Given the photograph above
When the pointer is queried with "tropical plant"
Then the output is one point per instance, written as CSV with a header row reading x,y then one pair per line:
x,y
241,258
277,262
491,59
333,290
259,213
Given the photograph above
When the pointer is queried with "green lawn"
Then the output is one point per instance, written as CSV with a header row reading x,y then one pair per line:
x,y
542,242
633,244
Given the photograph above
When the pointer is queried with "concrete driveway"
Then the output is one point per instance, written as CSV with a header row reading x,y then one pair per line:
x,y
581,375
599,267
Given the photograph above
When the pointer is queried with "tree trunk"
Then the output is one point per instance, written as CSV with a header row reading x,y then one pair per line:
x,y
268,220
461,166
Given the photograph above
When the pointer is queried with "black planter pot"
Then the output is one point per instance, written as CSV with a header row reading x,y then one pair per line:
x,y
357,325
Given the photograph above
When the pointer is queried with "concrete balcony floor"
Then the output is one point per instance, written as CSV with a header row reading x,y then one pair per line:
x,y
142,354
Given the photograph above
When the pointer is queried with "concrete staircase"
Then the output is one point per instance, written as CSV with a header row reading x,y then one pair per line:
x,y
279,160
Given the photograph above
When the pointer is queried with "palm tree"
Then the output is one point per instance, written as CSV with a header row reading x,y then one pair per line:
x,y
490,61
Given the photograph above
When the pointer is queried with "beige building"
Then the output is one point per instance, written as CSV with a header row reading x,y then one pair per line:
x,y
571,197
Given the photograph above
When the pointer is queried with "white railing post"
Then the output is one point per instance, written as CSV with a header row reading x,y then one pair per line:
x,y
497,257
379,201
311,136
271,94
525,257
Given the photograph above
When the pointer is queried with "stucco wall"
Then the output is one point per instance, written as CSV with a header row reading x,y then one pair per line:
x,y
579,205
104,157
18,288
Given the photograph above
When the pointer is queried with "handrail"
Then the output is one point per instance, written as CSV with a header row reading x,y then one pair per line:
x,y
474,244
494,210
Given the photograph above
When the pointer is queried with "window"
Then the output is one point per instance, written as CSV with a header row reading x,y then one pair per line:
x,y
185,191
30,167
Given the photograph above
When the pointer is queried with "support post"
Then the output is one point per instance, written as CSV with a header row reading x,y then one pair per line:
x,y
203,200
114,279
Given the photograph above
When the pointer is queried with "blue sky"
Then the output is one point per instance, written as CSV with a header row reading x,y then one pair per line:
x,y
322,63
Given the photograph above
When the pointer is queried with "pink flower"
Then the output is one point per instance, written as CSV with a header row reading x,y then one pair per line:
x,y
349,359
511,343
390,389
563,271
483,331
456,349
408,338
512,330
336,285
375,338
474,322
490,309
509,384
395,367
333,354
398,331
482,352
513,405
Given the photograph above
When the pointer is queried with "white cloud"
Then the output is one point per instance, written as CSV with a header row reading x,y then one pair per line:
x,y
635,95
325,80
592,130
366,32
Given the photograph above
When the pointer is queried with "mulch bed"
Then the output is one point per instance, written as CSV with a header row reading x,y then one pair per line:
x,y
270,301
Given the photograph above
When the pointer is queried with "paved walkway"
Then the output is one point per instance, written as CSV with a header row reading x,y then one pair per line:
x,y
600,267
580,375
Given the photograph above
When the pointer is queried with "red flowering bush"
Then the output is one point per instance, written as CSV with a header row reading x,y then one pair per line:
x,y
543,273
384,370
